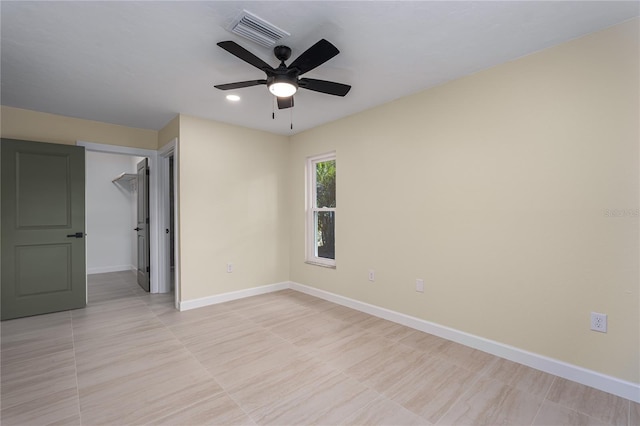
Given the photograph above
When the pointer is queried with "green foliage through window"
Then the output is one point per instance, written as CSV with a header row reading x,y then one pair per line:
x,y
325,220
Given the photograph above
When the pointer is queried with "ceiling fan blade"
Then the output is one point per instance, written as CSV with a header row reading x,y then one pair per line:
x,y
284,103
322,86
240,84
314,56
242,53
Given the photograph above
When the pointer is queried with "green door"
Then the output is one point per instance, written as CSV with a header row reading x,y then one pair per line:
x,y
43,246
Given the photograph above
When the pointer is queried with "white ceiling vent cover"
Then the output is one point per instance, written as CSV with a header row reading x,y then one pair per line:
x,y
257,30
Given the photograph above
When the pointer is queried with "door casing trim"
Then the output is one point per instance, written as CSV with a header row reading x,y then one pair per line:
x,y
164,153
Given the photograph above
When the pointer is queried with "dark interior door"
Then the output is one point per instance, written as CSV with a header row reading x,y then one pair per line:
x,y
43,224
142,227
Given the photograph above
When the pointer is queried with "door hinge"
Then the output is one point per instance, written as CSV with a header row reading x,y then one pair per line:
x,y
147,222
147,172
148,270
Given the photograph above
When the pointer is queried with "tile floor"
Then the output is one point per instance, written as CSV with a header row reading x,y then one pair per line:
x,y
284,358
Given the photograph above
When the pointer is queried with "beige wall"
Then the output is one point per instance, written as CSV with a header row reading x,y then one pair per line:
x,y
16,123
169,132
234,190
493,189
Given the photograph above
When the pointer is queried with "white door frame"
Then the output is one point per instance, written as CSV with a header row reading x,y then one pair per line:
x,y
164,216
156,226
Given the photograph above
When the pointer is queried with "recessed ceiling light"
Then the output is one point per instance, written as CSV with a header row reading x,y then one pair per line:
x,y
233,98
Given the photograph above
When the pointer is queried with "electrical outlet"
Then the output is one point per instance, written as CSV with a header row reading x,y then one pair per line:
x,y
420,285
229,267
372,275
599,322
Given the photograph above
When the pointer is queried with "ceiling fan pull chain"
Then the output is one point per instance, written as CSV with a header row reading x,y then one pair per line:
x,y
291,110
273,109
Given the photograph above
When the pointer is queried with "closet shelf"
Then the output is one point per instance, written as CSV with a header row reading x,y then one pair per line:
x,y
127,180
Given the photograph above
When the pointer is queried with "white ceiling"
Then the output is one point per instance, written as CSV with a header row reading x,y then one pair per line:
x,y
140,63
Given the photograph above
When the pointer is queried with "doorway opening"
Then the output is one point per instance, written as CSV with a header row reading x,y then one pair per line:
x,y
164,253
111,211
117,226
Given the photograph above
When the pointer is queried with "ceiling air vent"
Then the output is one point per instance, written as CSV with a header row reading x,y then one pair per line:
x,y
257,30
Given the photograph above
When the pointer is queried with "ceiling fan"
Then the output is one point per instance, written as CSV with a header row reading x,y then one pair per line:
x,y
284,81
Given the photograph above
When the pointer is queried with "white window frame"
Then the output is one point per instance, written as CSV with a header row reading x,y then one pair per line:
x,y
311,209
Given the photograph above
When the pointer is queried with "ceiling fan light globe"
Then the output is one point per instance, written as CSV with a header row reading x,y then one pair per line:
x,y
282,89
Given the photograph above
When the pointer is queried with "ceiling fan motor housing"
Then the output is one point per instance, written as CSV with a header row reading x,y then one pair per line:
x,y
283,77
282,53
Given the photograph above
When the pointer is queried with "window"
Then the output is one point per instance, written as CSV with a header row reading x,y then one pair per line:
x,y
321,209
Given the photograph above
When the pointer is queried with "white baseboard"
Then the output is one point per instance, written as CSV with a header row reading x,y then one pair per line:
x,y
104,269
556,367
227,297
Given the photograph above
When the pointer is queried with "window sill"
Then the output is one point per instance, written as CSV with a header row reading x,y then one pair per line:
x,y
323,265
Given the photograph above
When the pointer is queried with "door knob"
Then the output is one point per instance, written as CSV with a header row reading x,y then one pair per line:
x,y
137,229
76,235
